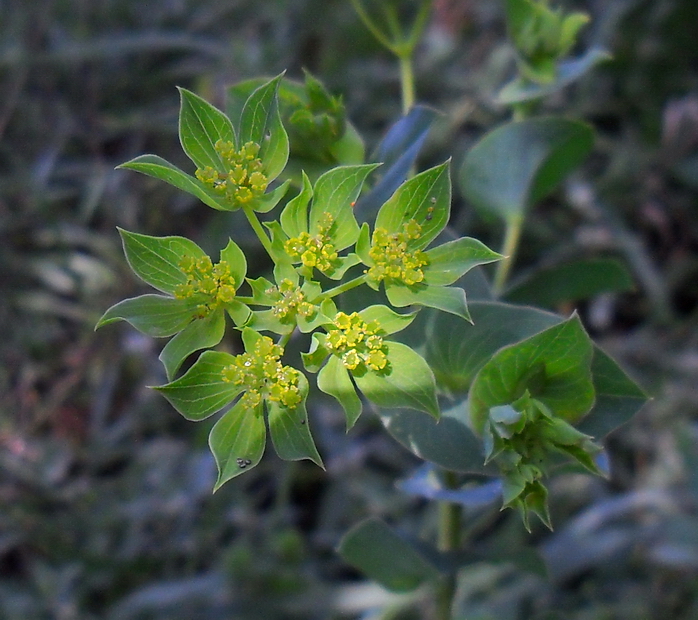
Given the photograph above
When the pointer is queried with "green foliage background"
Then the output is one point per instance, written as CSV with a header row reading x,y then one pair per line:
x,y
106,510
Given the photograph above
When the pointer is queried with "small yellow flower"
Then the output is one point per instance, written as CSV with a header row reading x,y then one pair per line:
x,y
316,250
392,260
357,343
213,283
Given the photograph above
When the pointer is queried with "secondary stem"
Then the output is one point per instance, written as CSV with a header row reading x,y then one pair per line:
x,y
407,82
343,288
257,227
511,243
448,540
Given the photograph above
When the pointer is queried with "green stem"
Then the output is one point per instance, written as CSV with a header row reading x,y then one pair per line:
x,y
343,288
407,81
283,341
511,243
448,540
257,227
370,24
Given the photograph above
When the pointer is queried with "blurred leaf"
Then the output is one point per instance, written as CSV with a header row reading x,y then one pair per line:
x,y
397,152
568,71
581,279
425,483
386,557
521,162
200,127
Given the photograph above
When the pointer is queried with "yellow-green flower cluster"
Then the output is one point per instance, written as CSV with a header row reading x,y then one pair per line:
x,y
214,283
314,250
392,260
357,342
290,301
263,376
244,180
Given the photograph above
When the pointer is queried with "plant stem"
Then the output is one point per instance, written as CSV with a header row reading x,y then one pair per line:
x,y
448,540
343,288
512,237
407,81
257,227
370,24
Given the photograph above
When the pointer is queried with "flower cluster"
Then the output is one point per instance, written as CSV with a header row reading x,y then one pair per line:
x,y
357,342
214,283
289,301
263,376
244,181
392,260
314,250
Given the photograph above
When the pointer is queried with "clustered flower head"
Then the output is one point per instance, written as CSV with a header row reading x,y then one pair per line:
x,y
263,376
392,260
244,180
290,301
357,343
214,283
314,250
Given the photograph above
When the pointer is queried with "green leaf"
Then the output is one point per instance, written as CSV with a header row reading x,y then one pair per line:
x,y
318,353
425,198
289,430
554,366
158,168
334,380
156,260
450,261
448,442
568,72
199,334
573,281
268,201
456,350
201,391
200,127
449,299
154,315
334,193
618,398
389,320
520,163
260,122
386,557
294,217
237,442
235,257
408,383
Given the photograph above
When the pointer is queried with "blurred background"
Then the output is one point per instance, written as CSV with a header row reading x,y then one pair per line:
x,y
106,508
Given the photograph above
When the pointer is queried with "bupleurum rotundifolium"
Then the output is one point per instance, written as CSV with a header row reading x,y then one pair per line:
x,y
213,284
393,260
358,344
262,376
314,250
289,301
244,180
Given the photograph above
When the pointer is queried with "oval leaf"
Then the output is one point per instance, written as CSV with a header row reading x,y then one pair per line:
x,y
154,315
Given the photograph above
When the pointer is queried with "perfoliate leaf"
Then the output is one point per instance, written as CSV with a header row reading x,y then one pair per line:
x,y
199,334
235,257
158,168
554,366
426,199
156,260
334,379
450,261
200,127
154,315
237,442
201,391
294,217
408,382
389,320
